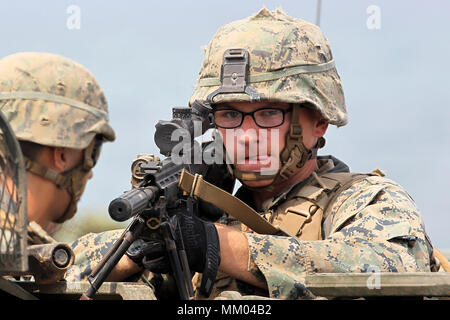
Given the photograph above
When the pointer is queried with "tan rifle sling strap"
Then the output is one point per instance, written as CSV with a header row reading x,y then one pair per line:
x,y
196,187
444,263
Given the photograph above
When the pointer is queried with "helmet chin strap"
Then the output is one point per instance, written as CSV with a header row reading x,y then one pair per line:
x,y
70,180
293,156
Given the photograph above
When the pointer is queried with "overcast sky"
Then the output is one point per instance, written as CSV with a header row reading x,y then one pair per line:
x,y
392,57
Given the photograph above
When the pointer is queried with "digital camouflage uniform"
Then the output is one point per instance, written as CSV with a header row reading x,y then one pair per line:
x,y
373,226
370,224
89,250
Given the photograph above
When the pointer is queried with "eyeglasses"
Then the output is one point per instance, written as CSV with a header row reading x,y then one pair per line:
x,y
264,117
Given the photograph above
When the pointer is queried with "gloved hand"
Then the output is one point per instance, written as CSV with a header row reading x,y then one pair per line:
x,y
201,243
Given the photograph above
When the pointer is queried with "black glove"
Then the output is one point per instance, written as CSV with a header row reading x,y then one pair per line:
x,y
201,243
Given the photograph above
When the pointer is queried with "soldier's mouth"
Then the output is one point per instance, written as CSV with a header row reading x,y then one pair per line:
x,y
255,163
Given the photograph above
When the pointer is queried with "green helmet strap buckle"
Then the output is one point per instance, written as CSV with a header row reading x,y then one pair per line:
x,y
234,75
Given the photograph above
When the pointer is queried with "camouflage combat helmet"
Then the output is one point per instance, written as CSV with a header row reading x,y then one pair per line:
x,y
271,56
53,101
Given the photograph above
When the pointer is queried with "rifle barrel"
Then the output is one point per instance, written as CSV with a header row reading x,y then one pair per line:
x,y
132,203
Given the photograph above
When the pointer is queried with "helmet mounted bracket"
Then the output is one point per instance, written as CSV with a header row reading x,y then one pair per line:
x,y
234,75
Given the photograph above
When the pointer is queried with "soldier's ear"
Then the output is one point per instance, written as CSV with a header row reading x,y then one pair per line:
x,y
60,158
319,124
320,128
65,159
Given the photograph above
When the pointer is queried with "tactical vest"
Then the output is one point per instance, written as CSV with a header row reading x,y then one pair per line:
x,y
301,211
305,212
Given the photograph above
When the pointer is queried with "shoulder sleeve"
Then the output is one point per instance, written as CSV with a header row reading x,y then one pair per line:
x,y
374,226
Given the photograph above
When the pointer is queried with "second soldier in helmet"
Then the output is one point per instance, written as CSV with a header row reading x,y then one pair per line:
x,y
59,114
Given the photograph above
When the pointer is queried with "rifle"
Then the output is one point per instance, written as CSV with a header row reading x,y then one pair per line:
x,y
157,197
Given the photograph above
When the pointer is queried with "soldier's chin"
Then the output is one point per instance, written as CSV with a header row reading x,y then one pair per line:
x,y
257,183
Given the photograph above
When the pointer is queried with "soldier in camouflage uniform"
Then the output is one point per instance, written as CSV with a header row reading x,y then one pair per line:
x,y
330,220
60,117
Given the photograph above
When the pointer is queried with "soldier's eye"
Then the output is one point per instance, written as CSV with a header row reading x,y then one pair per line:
x,y
231,114
270,112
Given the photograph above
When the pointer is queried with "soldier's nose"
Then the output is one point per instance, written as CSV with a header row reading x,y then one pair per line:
x,y
248,136
248,123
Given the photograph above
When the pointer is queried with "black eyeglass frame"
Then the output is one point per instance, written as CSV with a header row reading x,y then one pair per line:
x,y
244,114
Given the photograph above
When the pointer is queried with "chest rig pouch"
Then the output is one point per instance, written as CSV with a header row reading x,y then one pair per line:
x,y
300,212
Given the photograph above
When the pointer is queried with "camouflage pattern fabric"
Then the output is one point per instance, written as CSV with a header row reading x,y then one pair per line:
x,y
51,100
89,251
279,44
374,226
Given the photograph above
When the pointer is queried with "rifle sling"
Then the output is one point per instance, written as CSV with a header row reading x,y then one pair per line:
x,y
445,264
196,187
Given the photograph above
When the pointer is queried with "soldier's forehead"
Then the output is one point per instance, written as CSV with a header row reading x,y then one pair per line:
x,y
252,105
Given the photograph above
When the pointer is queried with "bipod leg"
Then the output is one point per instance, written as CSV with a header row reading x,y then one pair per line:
x,y
111,261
